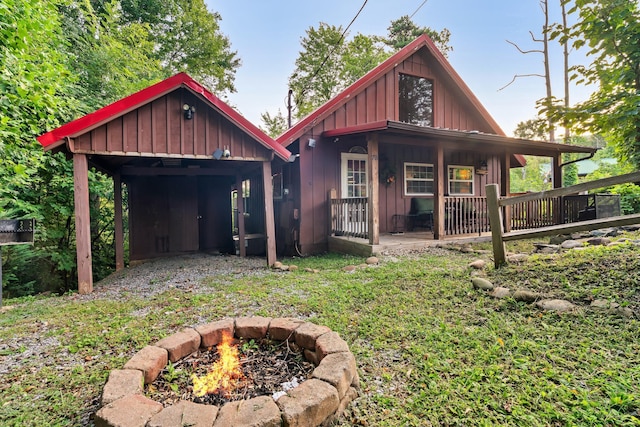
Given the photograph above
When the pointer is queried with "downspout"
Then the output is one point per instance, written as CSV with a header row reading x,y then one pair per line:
x,y
578,160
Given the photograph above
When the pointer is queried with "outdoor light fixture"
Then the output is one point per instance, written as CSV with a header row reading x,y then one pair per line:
x,y
312,143
188,111
482,169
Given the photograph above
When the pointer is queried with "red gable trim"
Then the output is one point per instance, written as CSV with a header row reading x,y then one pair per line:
x,y
131,102
423,41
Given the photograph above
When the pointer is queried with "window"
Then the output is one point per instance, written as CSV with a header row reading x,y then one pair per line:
x,y
415,100
277,186
354,175
461,180
418,179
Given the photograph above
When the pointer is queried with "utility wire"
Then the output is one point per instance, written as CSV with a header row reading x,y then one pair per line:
x,y
334,48
419,7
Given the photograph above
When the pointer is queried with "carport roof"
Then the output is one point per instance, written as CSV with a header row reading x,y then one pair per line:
x,y
57,137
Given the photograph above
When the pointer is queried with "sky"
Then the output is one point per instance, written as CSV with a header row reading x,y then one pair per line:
x,y
266,35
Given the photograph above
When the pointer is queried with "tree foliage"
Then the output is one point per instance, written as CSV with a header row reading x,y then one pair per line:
x,y
610,30
403,31
273,125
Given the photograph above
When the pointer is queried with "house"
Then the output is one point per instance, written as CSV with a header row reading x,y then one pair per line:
x,y
198,174
406,145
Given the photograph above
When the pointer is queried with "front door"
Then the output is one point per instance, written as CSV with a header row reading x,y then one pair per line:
x,y
354,186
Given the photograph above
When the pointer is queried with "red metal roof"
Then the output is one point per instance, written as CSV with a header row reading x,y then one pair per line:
x,y
131,102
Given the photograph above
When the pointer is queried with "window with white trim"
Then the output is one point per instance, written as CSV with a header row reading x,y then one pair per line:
x,y
461,180
418,179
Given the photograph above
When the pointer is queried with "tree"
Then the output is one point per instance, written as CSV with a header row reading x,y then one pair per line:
x,y
273,125
403,31
610,29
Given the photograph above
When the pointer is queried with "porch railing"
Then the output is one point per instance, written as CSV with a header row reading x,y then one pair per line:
x,y
538,213
465,215
350,217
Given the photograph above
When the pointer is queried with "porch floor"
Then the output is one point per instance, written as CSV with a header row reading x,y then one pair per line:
x,y
390,242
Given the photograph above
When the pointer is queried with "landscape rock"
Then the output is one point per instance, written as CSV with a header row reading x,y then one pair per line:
x,y
478,264
604,232
570,244
515,258
483,284
526,296
603,303
558,240
599,241
372,260
542,248
293,267
284,267
625,311
500,292
349,268
557,305
277,265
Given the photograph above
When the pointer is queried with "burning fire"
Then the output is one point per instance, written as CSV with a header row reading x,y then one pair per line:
x,y
225,373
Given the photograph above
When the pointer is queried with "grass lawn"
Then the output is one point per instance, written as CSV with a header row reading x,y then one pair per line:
x,y
430,349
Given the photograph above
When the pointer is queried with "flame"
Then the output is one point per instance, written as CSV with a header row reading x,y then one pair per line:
x,y
225,373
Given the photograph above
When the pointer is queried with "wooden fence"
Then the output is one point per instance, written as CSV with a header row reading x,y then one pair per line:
x,y
495,205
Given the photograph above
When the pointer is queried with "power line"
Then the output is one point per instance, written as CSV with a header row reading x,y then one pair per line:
x,y
419,7
326,58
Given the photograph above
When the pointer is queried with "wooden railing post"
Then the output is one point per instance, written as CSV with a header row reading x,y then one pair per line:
x,y
495,221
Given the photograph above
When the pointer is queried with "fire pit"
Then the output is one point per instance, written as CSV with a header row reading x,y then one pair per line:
x,y
318,400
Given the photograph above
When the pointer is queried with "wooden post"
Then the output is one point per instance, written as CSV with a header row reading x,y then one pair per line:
x,y
556,161
240,207
83,223
438,197
505,184
333,194
269,218
495,222
374,189
117,218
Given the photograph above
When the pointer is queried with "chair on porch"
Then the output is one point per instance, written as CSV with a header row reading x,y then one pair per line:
x,y
421,213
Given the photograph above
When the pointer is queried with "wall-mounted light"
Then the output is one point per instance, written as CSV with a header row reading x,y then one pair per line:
x,y
312,143
482,169
188,111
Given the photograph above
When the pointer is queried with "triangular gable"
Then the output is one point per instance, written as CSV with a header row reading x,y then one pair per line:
x,y
112,111
372,76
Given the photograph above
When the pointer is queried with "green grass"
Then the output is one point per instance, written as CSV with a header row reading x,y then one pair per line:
x,y
430,349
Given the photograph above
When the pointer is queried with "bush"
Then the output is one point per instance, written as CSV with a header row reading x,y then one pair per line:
x,y
629,197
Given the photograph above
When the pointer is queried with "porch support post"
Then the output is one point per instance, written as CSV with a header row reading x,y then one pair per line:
x,y
117,219
240,207
83,222
505,185
374,189
438,197
269,217
556,161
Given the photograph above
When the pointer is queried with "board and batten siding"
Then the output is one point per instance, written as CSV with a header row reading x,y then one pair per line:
x,y
160,129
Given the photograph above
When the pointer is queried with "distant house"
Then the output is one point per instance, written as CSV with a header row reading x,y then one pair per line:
x,y
408,146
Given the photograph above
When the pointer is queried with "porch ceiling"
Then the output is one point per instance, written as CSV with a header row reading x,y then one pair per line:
x,y
465,140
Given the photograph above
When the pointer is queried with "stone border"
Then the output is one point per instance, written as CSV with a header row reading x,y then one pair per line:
x,y
318,401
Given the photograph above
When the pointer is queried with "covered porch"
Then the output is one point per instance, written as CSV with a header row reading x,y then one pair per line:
x,y
446,209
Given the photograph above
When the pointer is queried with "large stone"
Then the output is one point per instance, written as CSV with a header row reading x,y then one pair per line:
x,y
338,369
131,411
478,264
150,360
211,333
500,292
255,327
599,241
308,333
309,404
121,383
571,244
180,344
185,414
558,305
546,249
372,260
483,284
526,296
282,329
517,258
559,239
257,412
603,303
330,343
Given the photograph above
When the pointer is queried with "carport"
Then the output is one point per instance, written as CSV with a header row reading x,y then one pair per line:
x,y
198,174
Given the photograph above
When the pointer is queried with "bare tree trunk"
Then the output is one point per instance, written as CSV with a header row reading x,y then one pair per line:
x,y
547,73
565,53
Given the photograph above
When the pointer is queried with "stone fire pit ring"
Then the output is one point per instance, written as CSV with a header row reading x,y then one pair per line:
x,y
315,402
